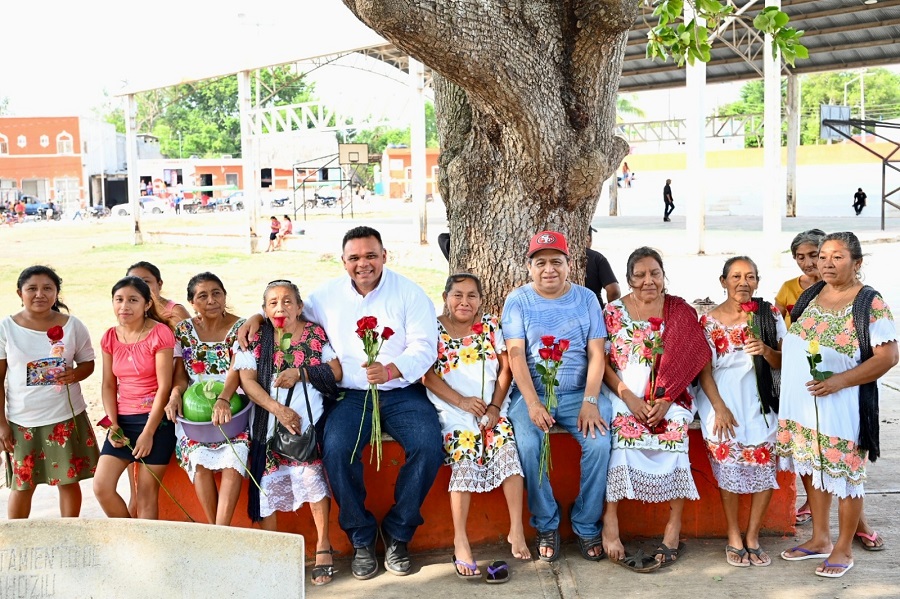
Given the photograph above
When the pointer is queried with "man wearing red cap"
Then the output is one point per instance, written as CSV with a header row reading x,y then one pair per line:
x,y
553,306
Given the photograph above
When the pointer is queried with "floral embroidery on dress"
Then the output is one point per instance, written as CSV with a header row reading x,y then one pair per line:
x,y
835,328
466,350
844,458
629,432
305,348
468,445
622,348
734,454
214,355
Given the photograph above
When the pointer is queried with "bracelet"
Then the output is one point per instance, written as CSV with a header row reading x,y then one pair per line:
x,y
223,399
388,369
493,405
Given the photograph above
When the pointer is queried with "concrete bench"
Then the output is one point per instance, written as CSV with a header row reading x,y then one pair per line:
x,y
488,520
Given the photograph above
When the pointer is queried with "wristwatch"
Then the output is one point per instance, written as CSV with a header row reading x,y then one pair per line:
x,y
590,399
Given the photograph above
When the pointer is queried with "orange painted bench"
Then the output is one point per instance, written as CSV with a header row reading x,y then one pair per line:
x,y
488,517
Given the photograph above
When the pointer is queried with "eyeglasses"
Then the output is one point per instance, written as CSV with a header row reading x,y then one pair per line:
x,y
279,282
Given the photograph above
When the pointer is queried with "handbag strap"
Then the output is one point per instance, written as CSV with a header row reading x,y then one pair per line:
x,y
306,395
287,402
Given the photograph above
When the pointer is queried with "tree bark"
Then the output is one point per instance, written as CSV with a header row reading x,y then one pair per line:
x,y
525,99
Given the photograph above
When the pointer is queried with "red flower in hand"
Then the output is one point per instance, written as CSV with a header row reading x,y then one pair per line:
x,y
387,333
548,340
556,354
789,308
563,345
478,328
751,307
55,333
655,323
278,321
545,353
198,367
105,422
367,323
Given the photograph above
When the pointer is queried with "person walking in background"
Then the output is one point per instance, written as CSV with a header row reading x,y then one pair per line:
x,y
669,200
274,228
599,274
859,201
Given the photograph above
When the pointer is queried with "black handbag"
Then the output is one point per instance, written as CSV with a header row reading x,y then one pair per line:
x,y
303,447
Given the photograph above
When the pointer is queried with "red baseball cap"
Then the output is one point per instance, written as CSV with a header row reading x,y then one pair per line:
x,y
548,240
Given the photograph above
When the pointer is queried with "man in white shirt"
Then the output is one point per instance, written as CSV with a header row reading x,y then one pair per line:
x,y
406,413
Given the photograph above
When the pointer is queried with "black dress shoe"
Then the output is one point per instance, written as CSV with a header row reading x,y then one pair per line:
x,y
396,556
364,564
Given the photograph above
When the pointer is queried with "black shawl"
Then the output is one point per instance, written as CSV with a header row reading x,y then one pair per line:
x,y
768,381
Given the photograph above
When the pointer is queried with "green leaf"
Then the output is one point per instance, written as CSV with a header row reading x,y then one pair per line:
x,y
781,19
285,342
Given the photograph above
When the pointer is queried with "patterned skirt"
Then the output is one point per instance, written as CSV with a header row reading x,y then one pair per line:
x,y
480,463
53,454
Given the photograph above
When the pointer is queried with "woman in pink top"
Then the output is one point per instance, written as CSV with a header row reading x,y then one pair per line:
x,y
137,378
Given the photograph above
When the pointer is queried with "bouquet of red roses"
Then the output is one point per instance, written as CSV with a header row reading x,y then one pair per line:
x,y
372,342
551,359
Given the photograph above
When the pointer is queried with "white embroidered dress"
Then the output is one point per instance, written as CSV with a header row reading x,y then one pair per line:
x,y
746,462
643,466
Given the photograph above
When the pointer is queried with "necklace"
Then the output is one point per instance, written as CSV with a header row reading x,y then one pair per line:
x,y
637,310
137,338
840,302
453,327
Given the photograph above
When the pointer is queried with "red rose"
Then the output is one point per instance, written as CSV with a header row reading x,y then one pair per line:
x,y
278,321
751,307
556,354
105,422
478,328
548,340
789,308
55,333
545,353
360,332
198,367
563,344
655,323
387,333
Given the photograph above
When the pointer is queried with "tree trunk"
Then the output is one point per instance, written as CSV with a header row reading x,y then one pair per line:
x,y
525,99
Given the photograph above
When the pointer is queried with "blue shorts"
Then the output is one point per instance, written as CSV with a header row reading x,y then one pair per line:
x,y
133,426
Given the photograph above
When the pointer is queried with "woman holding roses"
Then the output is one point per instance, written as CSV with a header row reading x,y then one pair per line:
x,y
270,371
469,387
656,347
745,335
44,428
203,352
841,341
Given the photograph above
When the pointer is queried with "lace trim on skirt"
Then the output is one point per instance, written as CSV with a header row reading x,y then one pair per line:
x,y
625,482
468,476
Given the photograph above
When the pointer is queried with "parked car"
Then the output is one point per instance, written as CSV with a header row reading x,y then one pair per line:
x,y
38,209
148,204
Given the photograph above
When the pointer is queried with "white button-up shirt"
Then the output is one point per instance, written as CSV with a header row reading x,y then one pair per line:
x,y
397,303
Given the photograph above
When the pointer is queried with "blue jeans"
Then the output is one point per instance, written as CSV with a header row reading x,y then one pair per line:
x,y
408,417
594,461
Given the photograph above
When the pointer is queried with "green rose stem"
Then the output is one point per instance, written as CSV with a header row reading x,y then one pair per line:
x,y
372,342
815,358
72,408
118,436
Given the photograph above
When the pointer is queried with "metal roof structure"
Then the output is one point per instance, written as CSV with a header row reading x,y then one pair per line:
x,y
840,35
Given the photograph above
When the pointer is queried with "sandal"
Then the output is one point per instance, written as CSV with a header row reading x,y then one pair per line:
x,y
740,553
475,575
588,543
548,538
802,517
639,562
759,552
497,573
876,539
670,556
325,570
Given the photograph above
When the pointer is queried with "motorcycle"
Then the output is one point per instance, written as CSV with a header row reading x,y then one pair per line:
x,y
99,211
327,201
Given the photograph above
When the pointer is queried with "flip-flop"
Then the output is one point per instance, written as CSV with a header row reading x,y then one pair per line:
x,y
741,553
638,562
874,538
475,575
802,517
827,564
497,573
758,552
323,570
807,554
670,556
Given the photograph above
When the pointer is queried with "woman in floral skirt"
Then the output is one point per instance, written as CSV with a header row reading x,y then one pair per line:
x,y
469,386
744,335
203,352
44,428
841,341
